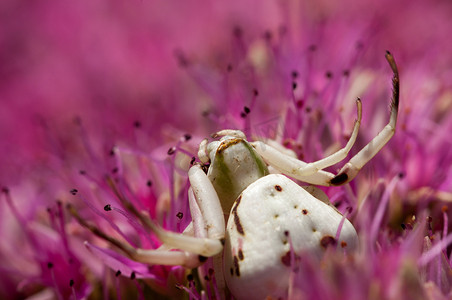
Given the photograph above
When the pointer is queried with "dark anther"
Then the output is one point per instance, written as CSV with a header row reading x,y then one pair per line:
x,y
192,161
346,73
282,29
107,207
401,175
187,137
237,31
286,232
118,273
294,74
190,277
202,258
181,58
50,265
149,183
74,191
246,109
222,241
77,120
71,282
300,104
294,85
82,172
329,74
243,115
403,226
114,170
229,68
312,48
255,92
112,152
133,276
179,215
278,188
137,124
171,150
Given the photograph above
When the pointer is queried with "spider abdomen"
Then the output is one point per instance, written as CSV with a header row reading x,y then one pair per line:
x,y
272,216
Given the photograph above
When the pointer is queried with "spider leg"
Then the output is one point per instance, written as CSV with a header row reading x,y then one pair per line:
x,y
208,229
209,225
208,202
150,256
203,154
300,169
350,169
313,173
168,258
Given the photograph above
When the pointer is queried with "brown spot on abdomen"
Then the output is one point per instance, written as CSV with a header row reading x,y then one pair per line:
x,y
327,240
285,259
238,225
241,256
236,266
237,222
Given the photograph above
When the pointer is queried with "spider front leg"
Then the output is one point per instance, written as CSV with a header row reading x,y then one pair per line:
x,y
308,172
350,169
312,172
209,225
208,228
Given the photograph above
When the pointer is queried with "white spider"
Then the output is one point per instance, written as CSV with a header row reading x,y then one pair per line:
x,y
268,215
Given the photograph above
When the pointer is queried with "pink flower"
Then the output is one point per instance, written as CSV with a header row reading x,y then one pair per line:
x,y
105,104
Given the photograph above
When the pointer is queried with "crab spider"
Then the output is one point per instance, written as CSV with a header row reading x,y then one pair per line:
x,y
269,218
